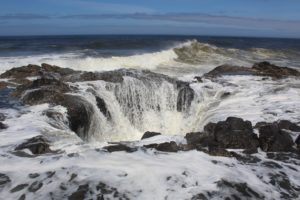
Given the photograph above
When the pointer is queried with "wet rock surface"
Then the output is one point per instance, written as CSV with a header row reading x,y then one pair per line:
x,y
258,69
272,138
149,134
37,145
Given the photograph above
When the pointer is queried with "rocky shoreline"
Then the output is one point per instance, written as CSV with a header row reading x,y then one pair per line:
x,y
234,138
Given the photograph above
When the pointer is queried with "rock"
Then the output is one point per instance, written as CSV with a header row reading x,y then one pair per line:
x,y
80,193
80,111
22,197
21,72
218,152
2,117
297,141
33,175
4,179
166,146
120,147
233,133
267,69
185,97
18,188
37,145
4,85
35,70
229,70
240,190
285,124
258,69
3,126
149,134
272,138
35,186
200,139
102,107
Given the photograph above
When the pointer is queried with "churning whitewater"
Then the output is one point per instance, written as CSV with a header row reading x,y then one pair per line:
x,y
216,121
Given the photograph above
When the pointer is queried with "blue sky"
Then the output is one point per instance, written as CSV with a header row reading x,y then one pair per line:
x,y
266,18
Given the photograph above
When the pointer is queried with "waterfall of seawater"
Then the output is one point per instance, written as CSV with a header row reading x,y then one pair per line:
x,y
124,111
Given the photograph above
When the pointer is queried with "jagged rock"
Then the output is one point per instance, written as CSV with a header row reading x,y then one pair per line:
x,y
33,175
166,146
285,124
201,139
2,117
272,138
149,134
120,147
282,124
258,69
185,97
267,69
22,197
18,188
35,186
233,133
218,152
3,126
80,111
102,107
80,193
229,70
37,145
238,190
4,85
35,70
297,141
4,179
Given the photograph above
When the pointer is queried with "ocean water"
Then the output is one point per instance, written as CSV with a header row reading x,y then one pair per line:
x,y
173,55
150,104
147,102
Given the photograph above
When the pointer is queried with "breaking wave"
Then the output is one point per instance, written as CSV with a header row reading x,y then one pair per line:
x,y
188,56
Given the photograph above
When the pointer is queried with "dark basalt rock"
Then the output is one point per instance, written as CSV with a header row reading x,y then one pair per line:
x,y
297,141
200,139
3,126
285,124
233,133
102,107
149,134
165,147
5,85
80,193
185,97
258,69
2,117
272,138
218,152
18,188
229,70
80,114
120,147
37,145
22,197
4,179
35,186
80,111
35,70
267,69
241,190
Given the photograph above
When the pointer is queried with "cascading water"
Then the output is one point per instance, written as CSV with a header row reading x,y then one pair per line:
x,y
125,110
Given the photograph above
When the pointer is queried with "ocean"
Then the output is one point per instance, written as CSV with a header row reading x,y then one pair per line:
x,y
173,55
69,134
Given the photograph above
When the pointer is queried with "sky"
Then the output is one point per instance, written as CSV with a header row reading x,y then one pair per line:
x,y
254,18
